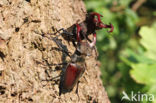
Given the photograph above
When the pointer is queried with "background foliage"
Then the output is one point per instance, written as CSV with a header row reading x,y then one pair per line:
x,y
128,55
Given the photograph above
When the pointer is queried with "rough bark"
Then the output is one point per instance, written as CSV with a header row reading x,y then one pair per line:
x,y
25,56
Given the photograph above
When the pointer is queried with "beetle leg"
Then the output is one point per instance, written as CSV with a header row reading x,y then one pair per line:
x,y
63,32
68,34
57,41
60,88
61,46
52,79
38,62
96,53
62,29
78,32
77,89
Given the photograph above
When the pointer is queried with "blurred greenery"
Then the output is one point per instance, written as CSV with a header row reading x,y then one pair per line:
x,y
128,55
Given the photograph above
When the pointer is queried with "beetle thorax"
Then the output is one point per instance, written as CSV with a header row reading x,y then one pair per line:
x,y
84,48
77,58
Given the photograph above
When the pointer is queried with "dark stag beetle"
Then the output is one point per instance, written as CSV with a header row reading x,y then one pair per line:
x,y
76,67
88,26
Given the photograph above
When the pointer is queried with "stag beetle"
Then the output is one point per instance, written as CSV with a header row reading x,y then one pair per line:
x,y
88,26
76,67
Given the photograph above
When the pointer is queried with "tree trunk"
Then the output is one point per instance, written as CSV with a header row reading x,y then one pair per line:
x,y
26,57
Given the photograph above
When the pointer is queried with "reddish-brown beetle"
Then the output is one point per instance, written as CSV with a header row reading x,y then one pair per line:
x,y
76,67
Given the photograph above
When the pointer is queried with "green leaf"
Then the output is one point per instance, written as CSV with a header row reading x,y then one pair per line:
x,y
144,73
152,90
93,4
130,57
148,35
125,2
